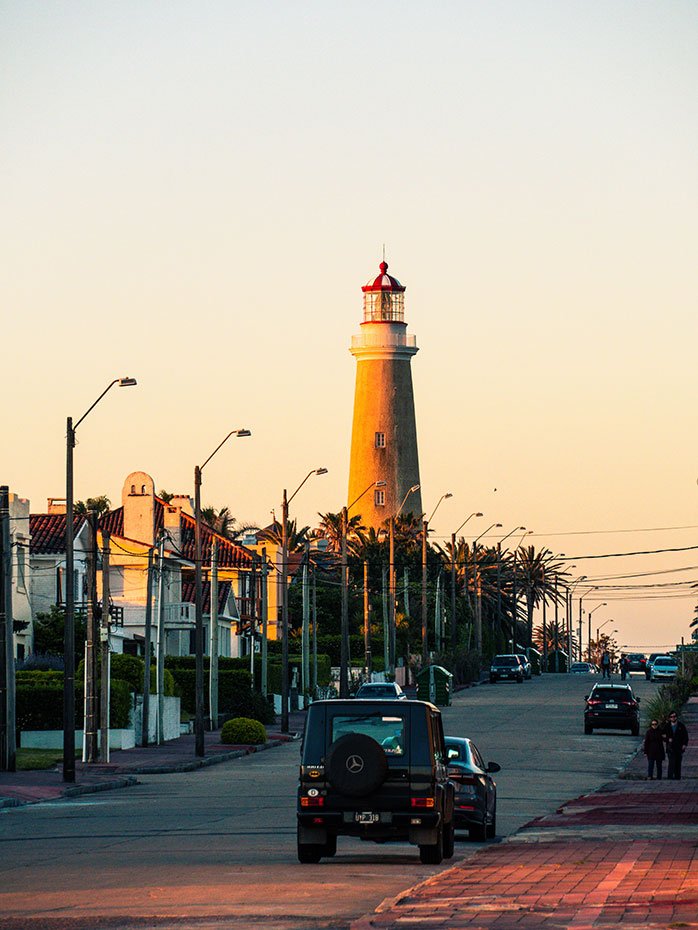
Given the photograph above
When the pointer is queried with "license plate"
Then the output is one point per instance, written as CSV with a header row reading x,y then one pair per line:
x,y
611,707
366,817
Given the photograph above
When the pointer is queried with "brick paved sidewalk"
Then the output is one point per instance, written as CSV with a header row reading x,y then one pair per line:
x,y
625,856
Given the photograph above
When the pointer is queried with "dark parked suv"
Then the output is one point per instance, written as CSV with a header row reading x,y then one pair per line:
x,y
612,707
376,770
507,668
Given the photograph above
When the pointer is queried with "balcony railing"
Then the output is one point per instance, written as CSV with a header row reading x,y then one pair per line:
x,y
387,339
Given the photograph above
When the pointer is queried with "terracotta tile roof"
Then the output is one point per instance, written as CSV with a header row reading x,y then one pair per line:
x,y
48,532
224,589
230,554
113,521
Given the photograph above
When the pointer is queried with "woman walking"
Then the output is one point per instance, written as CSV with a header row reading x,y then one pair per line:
x,y
653,748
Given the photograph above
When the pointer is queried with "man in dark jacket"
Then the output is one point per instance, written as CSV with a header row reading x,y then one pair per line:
x,y
676,736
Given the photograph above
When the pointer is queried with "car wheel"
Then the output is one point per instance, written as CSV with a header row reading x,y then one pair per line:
x,y
433,853
330,847
310,853
588,729
478,832
635,729
492,680
449,840
492,827
356,765
520,679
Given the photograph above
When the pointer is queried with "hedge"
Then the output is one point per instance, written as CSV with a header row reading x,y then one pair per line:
x,y
243,731
40,707
233,687
130,668
274,672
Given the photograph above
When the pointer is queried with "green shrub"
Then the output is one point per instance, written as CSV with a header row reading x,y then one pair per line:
x,y
243,731
120,703
234,687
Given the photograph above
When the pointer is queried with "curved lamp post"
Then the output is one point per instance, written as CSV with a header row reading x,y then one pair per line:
x,y
284,596
69,633
425,533
476,589
454,630
344,628
198,599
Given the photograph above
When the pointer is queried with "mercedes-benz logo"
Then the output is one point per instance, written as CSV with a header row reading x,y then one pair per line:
x,y
355,764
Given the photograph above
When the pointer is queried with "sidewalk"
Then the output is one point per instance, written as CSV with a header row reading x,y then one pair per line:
x,y
625,856
17,788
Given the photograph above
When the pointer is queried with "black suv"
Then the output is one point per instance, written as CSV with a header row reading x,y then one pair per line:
x,y
612,707
508,668
376,770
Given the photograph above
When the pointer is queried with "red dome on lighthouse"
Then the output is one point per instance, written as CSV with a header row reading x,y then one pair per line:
x,y
384,281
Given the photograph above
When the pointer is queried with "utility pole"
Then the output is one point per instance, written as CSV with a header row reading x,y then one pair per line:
x,y
8,738
305,629
284,613
391,599
386,619
91,725
104,637
425,626
454,630
264,685
344,624
368,660
145,713
253,617
160,643
213,640
314,683
69,629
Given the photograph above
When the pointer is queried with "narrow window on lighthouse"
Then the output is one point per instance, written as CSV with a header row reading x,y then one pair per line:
x,y
379,498
380,440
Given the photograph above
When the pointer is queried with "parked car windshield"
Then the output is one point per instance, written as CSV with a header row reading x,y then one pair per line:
x,y
377,691
505,660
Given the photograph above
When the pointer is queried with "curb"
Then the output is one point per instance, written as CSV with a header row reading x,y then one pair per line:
x,y
74,791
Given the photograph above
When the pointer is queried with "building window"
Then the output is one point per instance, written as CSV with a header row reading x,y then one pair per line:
x,y
380,440
21,567
379,498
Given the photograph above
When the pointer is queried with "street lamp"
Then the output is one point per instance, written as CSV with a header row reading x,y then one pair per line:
x,y
198,598
69,632
425,533
499,569
391,581
284,596
454,631
476,589
568,610
589,629
344,641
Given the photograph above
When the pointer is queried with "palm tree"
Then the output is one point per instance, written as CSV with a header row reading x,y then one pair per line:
x,y
295,537
536,575
330,528
98,505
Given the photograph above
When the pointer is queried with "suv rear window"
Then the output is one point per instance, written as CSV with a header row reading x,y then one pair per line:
x,y
612,694
387,731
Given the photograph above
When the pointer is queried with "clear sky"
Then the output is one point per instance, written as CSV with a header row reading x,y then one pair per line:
x,y
194,193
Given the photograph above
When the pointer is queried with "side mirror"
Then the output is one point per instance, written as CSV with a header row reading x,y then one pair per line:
x,y
493,767
586,697
637,699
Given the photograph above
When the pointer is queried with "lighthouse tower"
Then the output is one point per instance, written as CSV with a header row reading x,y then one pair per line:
x,y
384,433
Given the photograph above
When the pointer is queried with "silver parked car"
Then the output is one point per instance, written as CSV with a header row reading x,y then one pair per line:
x,y
664,668
381,691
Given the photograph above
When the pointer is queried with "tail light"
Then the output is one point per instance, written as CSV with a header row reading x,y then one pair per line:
x,y
463,779
594,703
422,802
312,802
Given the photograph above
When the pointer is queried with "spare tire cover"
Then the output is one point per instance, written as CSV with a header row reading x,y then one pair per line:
x,y
356,764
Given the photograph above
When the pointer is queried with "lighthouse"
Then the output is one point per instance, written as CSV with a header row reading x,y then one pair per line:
x,y
384,432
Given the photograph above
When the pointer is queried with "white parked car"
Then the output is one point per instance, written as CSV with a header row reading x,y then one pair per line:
x,y
582,668
663,667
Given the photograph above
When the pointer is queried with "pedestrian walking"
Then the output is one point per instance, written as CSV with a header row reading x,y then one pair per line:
x,y
676,736
653,748
606,664
624,664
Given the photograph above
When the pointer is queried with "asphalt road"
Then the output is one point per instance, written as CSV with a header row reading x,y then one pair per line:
x,y
216,847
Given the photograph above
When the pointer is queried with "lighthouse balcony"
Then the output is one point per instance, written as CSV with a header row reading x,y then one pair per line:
x,y
384,339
